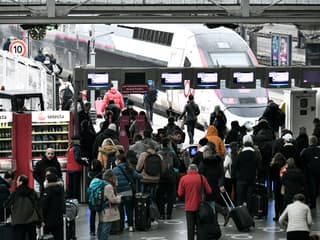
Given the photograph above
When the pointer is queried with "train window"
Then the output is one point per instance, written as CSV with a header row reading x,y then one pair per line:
x,y
247,101
223,45
230,59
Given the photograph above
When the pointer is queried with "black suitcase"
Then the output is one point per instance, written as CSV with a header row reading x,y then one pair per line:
x,y
261,201
240,214
6,229
142,217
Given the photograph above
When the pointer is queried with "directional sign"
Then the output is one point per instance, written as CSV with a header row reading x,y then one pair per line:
x,y
18,47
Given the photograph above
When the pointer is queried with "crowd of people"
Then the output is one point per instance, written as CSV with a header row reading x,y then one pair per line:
x,y
154,164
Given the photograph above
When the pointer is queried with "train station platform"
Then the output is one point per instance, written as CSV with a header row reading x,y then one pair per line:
x,y
176,229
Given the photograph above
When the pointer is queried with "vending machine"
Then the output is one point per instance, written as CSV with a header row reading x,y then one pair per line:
x,y
50,129
7,157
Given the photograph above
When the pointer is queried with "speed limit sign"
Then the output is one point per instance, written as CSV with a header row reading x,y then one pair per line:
x,y
18,47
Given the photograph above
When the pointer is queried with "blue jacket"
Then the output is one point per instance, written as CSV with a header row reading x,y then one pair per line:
x,y
123,184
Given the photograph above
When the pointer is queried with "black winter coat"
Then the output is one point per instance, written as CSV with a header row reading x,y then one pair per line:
x,y
53,204
212,169
41,166
245,165
22,202
4,194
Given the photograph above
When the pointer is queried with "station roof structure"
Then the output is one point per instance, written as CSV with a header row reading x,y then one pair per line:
x,y
300,12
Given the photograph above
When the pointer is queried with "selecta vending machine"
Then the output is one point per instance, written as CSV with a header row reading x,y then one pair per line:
x,y
7,153
50,129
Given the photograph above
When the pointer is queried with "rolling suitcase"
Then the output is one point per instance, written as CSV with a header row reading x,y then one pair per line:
x,y
261,201
6,229
72,209
97,106
240,214
142,217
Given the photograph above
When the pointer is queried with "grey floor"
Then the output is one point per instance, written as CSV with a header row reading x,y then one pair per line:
x,y
175,229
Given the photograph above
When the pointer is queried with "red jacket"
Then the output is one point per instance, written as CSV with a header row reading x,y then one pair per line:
x,y
115,95
73,152
190,189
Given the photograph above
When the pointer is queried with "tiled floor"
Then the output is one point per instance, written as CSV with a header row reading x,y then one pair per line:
x,y
175,229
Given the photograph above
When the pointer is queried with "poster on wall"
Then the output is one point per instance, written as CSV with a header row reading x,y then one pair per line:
x,y
281,50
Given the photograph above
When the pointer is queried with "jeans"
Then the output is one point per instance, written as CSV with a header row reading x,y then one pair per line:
x,y
190,128
104,230
149,111
93,221
127,203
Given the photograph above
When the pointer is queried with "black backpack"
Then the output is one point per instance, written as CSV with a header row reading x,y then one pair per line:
x,y
152,165
168,173
67,98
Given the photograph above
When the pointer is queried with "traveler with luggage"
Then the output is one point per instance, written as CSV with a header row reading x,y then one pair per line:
x,y
126,187
110,212
151,165
190,188
166,193
297,219
25,212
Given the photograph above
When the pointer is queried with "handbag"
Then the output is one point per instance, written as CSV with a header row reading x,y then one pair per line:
x,y
205,211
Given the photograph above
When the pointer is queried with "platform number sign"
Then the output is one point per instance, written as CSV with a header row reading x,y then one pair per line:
x,y
18,47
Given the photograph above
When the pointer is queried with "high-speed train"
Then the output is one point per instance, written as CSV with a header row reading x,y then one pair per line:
x,y
197,46
165,45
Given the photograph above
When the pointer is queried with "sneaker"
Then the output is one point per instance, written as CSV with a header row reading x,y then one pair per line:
x,y
169,217
161,217
130,229
92,233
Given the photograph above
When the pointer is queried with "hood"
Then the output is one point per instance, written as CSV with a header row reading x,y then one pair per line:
x,y
113,90
212,131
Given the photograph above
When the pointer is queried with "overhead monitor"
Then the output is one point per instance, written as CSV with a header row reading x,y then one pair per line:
x,y
207,79
310,78
171,79
134,77
243,77
98,80
278,79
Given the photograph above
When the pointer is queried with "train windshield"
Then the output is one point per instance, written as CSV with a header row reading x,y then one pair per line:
x,y
245,102
230,59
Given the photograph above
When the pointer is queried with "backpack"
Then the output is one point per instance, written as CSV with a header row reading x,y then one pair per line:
x,y
66,97
95,193
152,164
168,174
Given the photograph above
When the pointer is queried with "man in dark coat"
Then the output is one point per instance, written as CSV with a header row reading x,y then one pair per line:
x,y
310,160
274,116
5,184
48,160
53,206
245,168
149,100
191,110
219,120
116,111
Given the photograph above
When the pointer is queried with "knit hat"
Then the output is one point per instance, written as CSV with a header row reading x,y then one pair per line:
x,y
112,126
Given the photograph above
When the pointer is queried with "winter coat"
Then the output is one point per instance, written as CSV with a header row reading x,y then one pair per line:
x,y
111,213
107,133
245,165
74,161
116,110
42,165
192,110
114,94
190,188
106,151
53,204
212,168
212,136
4,194
294,182
123,184
22,202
